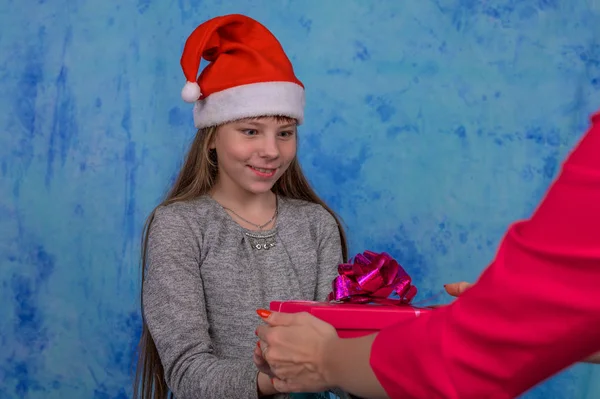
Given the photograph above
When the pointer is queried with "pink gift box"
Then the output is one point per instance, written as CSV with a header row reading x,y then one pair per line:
x,y
352,320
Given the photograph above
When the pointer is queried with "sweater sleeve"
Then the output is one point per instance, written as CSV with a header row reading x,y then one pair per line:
x,y
329,254
174,309
533,312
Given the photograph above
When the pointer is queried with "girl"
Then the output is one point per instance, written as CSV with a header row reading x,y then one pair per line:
x,y
240,228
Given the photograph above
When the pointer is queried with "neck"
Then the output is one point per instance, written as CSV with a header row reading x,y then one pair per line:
x,y
232,196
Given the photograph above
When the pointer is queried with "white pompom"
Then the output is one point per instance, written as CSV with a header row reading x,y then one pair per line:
x,y
190,92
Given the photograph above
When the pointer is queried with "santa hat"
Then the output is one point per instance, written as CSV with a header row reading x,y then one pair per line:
x,y
248,74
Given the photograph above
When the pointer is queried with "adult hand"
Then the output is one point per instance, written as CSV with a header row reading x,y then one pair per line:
x,y
454,289
457,289
294,347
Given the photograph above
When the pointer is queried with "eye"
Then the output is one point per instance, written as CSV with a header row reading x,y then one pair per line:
x,y
250,132
287,133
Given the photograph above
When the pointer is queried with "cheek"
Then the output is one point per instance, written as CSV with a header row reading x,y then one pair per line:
x,y
230,152
288,150
237,154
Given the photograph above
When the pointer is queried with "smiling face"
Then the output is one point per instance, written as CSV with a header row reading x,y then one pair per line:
x,y
254,153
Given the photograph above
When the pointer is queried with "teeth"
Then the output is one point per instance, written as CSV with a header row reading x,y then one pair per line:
x,y
263,170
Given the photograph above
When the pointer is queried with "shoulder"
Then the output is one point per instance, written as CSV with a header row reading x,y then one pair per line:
x,y
182,216
316,214
186,209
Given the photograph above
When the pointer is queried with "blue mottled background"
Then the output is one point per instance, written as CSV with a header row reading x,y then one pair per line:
x,y
432,124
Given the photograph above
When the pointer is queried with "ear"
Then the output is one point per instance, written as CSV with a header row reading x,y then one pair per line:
x,y
212,144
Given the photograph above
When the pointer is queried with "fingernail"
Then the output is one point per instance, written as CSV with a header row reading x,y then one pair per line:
x,y
258,344
256,332
272,382
263,313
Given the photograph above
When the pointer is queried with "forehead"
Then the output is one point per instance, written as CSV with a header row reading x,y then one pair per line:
x,y
269,121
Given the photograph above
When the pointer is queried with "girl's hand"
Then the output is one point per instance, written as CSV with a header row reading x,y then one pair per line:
x,y
294,346
264,385
260,362
264,380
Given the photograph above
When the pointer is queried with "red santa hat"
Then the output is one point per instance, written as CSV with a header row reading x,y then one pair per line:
x,y
248,74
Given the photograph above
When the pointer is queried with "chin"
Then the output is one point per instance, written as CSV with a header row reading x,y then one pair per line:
x,y
260,188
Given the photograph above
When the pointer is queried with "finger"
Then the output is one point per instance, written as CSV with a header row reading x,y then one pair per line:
x,y
456,289
264,368
279,319
286,371
264,352
261,364
262,332
283,386
287,386
258,355
258,361
452,289
463,286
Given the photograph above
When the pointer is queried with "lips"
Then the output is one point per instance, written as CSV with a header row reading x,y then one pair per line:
x,y
264,173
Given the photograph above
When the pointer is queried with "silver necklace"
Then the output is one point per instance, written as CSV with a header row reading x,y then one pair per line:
x,y
258,226
259,241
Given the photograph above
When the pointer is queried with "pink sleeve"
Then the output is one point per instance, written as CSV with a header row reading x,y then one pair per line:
x,y
533,312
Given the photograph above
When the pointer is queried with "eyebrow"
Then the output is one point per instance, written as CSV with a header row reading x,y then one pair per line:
x,y
258,124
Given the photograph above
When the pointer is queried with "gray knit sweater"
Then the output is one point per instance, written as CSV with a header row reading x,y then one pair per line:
x,y
205,281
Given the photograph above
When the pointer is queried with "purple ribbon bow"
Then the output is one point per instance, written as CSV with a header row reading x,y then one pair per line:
x,y
372,277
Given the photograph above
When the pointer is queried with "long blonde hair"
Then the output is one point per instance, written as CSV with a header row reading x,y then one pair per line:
x,y
196,178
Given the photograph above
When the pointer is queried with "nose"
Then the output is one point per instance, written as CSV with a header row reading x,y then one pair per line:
x,y
269,148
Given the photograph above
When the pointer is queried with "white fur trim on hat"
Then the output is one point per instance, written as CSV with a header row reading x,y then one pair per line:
x,y
251,100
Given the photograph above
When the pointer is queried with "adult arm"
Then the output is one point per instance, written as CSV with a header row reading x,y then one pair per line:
x,y
457,289
533,312
595,358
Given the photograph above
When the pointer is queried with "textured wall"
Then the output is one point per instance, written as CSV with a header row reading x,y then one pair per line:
x,y
432,124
